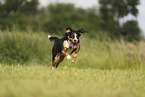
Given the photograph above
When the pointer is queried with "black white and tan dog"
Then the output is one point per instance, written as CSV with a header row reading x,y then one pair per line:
x,y
58,52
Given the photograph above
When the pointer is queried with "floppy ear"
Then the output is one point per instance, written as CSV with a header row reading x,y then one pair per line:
x,y
81,31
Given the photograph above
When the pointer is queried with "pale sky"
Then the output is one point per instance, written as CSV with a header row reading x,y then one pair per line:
x,y
78,3
141,16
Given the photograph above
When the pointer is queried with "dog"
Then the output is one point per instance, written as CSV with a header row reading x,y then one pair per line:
x,y
58,53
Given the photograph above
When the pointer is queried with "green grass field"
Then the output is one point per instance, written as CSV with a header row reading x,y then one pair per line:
x,y
41,81
104,68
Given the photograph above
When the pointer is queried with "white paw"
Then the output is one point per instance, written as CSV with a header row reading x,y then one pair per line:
x,y
68,57
49,36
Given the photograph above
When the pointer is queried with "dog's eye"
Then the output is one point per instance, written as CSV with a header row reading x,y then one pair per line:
x,y
78,36
73,36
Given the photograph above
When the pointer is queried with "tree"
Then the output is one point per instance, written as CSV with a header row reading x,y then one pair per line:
x,y
118,8
21,6
16,12
130,30
111,11
60,15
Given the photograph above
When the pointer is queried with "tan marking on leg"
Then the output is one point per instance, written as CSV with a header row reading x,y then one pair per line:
x,y
75,54
74,57
54,62
60,59
77,48
53,68
66,53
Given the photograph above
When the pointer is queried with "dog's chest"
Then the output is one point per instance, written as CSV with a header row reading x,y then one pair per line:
x,y
72,48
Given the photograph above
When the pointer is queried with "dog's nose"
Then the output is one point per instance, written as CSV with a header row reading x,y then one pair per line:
x,y
75,40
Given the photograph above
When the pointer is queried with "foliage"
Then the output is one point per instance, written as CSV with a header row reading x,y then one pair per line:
x,y
19,6
23,48
63,15
118,9
54,18
131,31
24,15
101,53
112,11
17,13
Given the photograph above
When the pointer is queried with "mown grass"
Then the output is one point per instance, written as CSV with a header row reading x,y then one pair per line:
x,y
41,81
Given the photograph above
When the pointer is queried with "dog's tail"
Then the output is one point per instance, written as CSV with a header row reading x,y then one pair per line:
x,y
52,38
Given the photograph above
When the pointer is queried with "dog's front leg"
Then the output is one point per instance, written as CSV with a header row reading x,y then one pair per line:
x,y
75,54
74,57
68,55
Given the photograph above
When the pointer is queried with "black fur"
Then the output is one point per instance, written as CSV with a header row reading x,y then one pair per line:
x,y
58,47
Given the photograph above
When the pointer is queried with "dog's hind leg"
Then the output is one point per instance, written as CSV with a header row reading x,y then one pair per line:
x,y
54,58
54,61
60,60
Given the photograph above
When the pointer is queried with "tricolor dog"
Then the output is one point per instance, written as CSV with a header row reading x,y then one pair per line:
x,y
58,52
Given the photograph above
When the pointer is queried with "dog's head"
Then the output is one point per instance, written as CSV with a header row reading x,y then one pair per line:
x,y
75,35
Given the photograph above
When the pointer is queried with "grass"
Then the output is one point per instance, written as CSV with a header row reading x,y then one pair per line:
x,y
104,68
100,53
41,81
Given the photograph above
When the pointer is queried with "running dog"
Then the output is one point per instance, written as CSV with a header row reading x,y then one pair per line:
x,y
58,52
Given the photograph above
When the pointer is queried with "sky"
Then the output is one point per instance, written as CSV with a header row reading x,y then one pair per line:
x,y
78,3
91,3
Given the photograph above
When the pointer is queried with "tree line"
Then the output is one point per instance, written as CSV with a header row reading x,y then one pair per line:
x,y
25,15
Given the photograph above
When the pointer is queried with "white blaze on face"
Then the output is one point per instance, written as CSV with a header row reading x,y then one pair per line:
x,y
75,37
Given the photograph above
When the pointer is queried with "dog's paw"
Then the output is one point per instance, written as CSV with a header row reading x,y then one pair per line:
x,y
72,61
68,57
53,68
49,36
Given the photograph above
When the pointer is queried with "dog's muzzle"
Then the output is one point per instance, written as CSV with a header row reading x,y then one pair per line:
x,y
74,45
75,41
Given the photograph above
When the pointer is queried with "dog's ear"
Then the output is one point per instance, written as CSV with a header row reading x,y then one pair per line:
x,y
81,31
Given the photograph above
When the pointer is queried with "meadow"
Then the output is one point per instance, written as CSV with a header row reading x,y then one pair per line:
x,y
104,68
41,81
